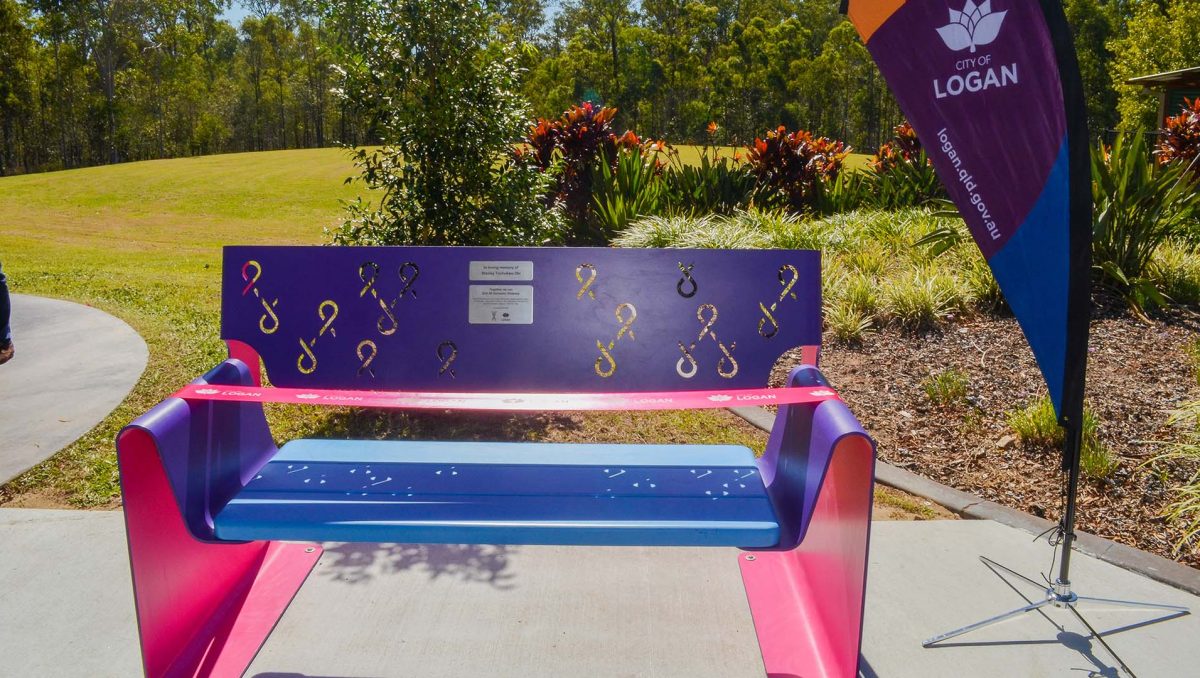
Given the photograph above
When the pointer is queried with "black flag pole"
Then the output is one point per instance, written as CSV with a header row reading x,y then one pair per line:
x,y
1058,592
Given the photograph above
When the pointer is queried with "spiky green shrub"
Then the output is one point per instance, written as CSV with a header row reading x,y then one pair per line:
x,y
1138,208
663,231
872,259
1036,426
788,231
719,184
1175,269
629,188
868,259
860,292
740,230
917,299
1192,351
947,388
846,324
978,282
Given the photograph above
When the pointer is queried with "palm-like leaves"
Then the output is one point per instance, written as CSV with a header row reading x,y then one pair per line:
x,y
1138,208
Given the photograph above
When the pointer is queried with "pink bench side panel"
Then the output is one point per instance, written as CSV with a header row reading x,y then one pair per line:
x,y
807,603
240,350
203,609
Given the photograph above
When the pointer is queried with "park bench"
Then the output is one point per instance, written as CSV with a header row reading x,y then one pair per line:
x,y
224,527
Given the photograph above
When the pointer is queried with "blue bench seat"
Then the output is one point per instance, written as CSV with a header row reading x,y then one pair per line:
x,y
505,493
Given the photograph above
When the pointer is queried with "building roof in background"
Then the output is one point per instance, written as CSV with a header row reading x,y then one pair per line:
x,y
1187,77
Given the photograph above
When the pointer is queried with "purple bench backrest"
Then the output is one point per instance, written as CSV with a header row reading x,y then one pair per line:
x,y
520,319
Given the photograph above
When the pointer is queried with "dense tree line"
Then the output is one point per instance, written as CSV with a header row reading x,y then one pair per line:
x,y
86,82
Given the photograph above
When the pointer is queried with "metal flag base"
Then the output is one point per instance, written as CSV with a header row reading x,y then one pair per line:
x,y
1058,595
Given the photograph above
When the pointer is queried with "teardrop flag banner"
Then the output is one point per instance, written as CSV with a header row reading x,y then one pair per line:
x,y
993,93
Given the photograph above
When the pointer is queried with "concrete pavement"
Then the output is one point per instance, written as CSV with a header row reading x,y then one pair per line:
x,y
73,365
400,610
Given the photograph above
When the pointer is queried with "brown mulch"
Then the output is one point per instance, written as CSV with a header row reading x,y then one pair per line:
x,y
1138,372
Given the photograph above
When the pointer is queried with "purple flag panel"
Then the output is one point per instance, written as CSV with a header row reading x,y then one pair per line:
x,y
992,92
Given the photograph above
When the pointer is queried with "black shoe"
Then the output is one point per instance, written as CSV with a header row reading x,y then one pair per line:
x,y
6,353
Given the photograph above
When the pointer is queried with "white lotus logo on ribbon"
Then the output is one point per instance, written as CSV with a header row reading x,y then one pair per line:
x,y
207,391
720,398
974,26
308,396
821,393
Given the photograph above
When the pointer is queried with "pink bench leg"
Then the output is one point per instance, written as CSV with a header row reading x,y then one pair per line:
x,y
807,603
203,609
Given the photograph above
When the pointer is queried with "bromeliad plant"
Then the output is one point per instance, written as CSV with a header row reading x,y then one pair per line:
x,y
576,145
901,175
1179,140
576,139
793,168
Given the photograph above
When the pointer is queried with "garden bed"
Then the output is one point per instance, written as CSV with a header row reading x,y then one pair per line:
x,y
1138,373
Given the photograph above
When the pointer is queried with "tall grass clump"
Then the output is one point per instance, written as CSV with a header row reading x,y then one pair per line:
x,y
872,275
1036,426
917,299
1185,509
711,231
846,324
947,388
1176,272
1193,354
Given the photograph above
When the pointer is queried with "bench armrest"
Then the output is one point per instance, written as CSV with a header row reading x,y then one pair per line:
x,y
209,450
797,459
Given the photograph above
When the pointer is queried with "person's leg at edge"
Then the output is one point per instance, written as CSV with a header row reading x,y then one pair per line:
x,y
6,345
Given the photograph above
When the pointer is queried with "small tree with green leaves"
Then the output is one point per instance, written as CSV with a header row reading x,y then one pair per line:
x,y
439,86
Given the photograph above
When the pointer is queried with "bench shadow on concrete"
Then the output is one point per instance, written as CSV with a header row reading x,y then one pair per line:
x,y
358,563
484,564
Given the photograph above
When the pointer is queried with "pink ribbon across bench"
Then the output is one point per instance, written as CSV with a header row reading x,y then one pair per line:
x,y
644,400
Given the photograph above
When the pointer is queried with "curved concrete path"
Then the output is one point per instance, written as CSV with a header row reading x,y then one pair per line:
x,y
73,365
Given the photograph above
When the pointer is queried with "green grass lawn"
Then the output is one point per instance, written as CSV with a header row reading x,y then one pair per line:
x,y
142,242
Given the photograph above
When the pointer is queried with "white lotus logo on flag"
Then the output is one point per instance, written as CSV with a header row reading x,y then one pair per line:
x,y
720,398
974,26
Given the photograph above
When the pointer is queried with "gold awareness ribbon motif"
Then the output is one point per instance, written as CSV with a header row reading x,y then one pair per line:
x,y
606,351
369,286
307,348
587,284
371,350
727,366
767,312
252,286
447,360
